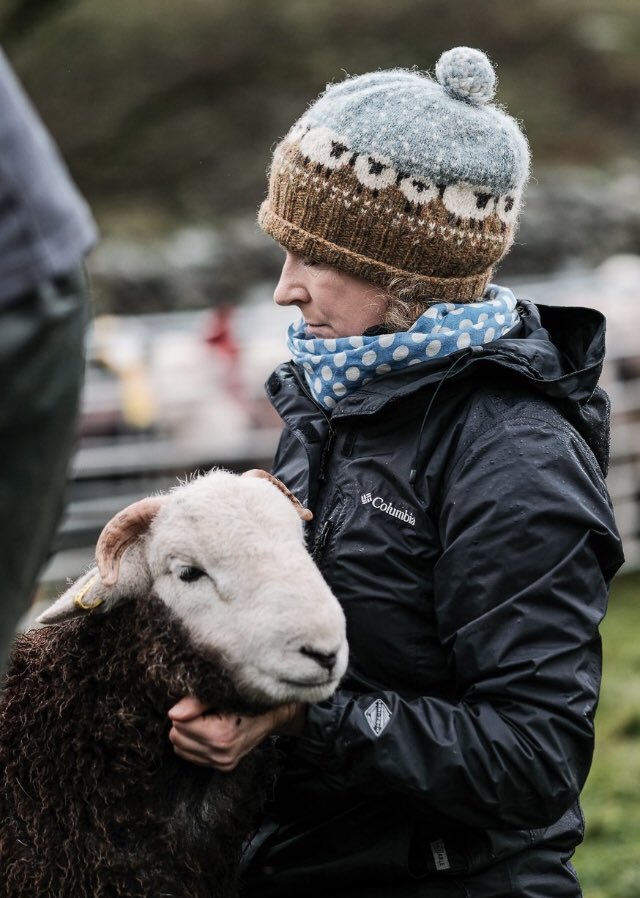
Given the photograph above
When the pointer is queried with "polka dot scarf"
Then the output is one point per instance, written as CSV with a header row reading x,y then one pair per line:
x,y
334,368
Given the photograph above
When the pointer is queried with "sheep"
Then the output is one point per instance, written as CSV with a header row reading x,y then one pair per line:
x,y
207,590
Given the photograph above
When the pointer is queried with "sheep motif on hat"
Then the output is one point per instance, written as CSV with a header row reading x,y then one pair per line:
x,y
210,591
397,175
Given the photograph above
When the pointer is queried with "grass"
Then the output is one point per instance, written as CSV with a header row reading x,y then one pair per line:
x,y
608,862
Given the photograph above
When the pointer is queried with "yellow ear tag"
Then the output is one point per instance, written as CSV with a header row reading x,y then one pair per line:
x,y
79,597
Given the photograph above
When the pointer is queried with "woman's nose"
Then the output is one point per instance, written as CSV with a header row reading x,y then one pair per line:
x,y
290,289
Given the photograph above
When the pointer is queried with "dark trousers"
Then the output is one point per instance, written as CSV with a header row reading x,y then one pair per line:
x,y
41,370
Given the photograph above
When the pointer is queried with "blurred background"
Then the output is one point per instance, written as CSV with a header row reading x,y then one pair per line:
x,y
166,113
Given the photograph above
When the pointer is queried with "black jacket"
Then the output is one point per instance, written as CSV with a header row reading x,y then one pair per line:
x,y
462,519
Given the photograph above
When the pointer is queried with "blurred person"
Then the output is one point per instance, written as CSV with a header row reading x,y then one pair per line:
x,y
45,231
452,444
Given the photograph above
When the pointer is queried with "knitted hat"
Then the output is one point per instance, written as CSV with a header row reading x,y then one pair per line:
x,y
396,175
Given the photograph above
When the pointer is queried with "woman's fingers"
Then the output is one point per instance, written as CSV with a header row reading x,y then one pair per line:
x,y
205,735
222,740
219,740
188,708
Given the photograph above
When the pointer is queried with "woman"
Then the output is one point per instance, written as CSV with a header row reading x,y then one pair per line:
x,y
452,445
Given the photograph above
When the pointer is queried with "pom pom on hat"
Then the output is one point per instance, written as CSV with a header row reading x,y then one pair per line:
x,y
467,74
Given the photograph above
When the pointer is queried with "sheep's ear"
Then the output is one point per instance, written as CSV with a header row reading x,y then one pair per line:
x,y
106,583
84,595
89,594
305,513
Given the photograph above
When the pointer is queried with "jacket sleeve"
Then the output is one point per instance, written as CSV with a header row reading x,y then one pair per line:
x,y
529,546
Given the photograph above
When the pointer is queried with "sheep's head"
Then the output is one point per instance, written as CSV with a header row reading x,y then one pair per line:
x,y
226,554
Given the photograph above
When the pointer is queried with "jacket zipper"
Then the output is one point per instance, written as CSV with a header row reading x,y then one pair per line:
x,y
328,446
321,542
326,452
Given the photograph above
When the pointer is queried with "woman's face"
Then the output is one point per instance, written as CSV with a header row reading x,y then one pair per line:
x,y
332,303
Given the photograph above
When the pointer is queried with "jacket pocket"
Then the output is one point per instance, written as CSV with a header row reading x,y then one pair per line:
x,y
461,851
364,844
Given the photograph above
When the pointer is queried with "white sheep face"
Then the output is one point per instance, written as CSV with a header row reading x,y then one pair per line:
x,y
226,554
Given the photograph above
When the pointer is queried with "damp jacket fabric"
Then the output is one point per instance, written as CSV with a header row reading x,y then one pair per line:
x,y
462,518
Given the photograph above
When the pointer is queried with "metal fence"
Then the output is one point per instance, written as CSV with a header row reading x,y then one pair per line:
x,y
622,381
214,413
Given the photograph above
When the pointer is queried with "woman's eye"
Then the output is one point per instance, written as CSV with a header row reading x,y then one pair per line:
x,y
189,574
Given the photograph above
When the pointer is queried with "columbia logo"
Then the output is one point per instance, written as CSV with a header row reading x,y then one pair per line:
x,y
402,514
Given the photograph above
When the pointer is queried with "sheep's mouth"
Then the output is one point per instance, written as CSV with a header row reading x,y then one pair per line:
x,y
307,684
288,686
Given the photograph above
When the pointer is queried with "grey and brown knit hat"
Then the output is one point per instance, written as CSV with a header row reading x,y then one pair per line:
x,y
396,175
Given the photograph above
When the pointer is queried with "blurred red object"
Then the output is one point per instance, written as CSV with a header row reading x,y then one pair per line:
x,y
220,332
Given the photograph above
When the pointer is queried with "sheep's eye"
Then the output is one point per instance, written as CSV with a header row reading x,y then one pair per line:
x,y
189,574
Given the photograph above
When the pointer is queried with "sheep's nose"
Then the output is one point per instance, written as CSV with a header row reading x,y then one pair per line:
x,y
324,659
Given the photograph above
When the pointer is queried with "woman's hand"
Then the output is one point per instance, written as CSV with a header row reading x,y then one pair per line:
x,y
221,740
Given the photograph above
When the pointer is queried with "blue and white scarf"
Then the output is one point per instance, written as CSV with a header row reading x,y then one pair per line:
x,y
334,368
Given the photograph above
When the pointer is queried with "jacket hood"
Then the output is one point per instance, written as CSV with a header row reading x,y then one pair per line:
x,y
559,351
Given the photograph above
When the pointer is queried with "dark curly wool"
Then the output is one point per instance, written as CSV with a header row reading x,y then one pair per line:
x,y
93,800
